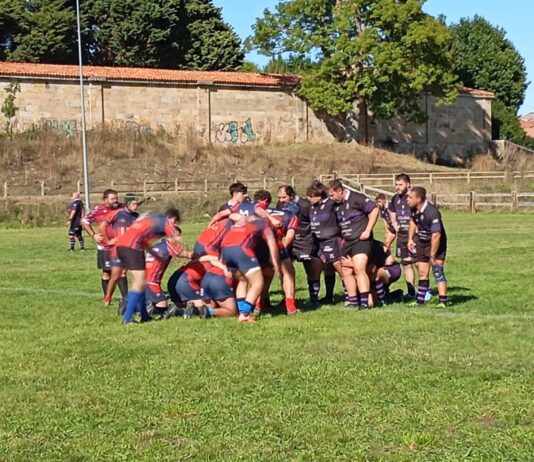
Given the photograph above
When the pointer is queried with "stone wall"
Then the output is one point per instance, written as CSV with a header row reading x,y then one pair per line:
x,y
239,115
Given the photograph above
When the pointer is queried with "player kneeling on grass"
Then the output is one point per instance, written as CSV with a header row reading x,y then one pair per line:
x,y
428,240
130,249
384,271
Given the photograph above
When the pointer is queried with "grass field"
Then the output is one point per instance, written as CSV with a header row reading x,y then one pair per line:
x,y
396,384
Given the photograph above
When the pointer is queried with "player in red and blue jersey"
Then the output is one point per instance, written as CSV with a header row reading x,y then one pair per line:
x,y
217,289
97,215
130,249
238,252
209,240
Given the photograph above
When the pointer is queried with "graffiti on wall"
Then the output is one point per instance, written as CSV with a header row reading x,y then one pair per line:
x,y
231,132
70,127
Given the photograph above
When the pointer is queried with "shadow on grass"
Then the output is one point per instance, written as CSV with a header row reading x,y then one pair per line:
x,y
458,299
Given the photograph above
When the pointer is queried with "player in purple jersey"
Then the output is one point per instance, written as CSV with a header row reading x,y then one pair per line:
x,y
389,230
400,213
428,241
75,210
357,216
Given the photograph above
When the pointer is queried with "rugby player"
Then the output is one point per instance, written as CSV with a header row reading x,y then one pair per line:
x,y
400,214
303,248
238,248
357,216
326,232
111,202
428,241
238,195
130,249
75,210
390,232
384,271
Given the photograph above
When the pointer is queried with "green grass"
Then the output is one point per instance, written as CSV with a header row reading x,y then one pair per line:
x,y
395,384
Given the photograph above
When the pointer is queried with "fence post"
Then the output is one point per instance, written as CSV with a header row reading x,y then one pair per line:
x,y
176,185
264,183
205,185
393,179
42,188
5,188
468,177
357,178
112,184
144,187
430,178
78,186
334,175
472,203
434,198
514,201
293,182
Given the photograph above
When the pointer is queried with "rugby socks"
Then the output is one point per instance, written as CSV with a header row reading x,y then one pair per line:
x,y
364,299
380,290
244,307
352,300
123,286
411,289
71,242
82,242
141,306
443,299
313,289
422,289
291,307
134,298
105,283
329,285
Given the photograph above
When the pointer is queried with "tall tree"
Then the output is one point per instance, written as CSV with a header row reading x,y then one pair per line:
x,y
381,54
486,59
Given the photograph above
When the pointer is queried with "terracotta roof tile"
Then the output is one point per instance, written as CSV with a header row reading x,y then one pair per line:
x,y
9,69
476,92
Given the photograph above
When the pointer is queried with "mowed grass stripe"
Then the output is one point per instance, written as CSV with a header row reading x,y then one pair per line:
x,y
395,384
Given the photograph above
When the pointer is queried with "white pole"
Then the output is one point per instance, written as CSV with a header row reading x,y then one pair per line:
x,y
82,102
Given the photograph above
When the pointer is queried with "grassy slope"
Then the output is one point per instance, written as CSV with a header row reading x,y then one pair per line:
x,y
396,384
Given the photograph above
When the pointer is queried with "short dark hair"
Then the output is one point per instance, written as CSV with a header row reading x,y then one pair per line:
x,y
237,187
419,191
263,195
380,197
173,212
316,189
403,177
108,192
336,185
289,190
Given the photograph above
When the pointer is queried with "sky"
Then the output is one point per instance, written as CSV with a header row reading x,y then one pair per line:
x,y
516,17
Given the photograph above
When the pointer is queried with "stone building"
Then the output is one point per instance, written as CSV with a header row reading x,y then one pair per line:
x,y
227,108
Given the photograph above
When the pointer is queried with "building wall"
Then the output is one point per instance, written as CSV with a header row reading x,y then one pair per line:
x,y
236,115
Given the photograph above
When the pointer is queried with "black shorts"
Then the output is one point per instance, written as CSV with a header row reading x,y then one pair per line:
x,y
103,260
352,248
330,250
263,255
132,259
303,252
403,253
75,231
422,251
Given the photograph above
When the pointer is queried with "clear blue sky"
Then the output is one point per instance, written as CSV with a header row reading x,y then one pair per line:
x,y
516,17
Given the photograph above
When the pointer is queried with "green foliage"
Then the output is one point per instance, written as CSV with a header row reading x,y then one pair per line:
x,y
144,33
381,53
293,65
505,124
484,58
9,109
395,384
249,66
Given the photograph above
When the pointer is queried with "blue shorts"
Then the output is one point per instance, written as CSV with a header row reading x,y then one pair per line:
x,y
199,249
235,258
180,288
154,294
216,287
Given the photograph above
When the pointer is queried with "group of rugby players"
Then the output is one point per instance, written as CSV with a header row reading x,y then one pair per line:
x,y
248,242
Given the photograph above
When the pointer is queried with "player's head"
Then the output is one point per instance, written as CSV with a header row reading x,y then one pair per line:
x,y
380,200
173,214
130,200
238,192
75,195
286,194
402,183
416,197
336,191
316,192
262,198
111,198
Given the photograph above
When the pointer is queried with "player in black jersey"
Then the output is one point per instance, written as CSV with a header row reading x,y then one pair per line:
x,y
75,210
428,240
357,216
327,234
303,248
389,230
400,213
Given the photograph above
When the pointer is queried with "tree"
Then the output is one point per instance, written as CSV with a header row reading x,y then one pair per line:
x,y
381,54
249,66
486,59
175,34
505,124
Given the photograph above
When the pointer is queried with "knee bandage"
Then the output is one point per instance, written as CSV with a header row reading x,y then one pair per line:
x,y
439,274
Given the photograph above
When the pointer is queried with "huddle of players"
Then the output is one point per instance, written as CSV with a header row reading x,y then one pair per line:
x,y
247,242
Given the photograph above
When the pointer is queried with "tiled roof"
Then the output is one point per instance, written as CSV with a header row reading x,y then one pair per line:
x,y
527,126
136,74
139,74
